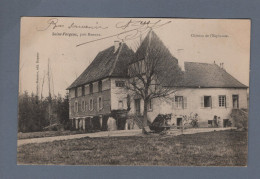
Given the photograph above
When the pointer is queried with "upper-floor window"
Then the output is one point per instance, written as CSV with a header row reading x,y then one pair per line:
x,y
90,88
99,86
72,93
222,101
179,102
120,104
207,101
83,90
120,83
235,100
76,92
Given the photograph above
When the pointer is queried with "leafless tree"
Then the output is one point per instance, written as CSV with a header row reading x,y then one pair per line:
x,y
153,72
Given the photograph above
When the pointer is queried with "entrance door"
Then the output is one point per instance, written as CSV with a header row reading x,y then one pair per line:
x,y
226,123
179,123
137,107
235,101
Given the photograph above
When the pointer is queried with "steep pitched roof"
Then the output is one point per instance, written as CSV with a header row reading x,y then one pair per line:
x,y
106,64
205,75
167,69
152,41
202,75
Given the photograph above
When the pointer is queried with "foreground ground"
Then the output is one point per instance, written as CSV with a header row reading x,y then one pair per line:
x,y
30,135
222,148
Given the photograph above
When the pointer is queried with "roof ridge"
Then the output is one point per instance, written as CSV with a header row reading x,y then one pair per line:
x,y
201,63
116,60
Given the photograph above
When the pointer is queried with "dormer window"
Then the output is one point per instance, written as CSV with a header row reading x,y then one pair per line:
x,y
76,92
100,86
120,83
83,90
90,88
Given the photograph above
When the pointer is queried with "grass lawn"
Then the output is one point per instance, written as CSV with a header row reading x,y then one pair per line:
x,y
223,148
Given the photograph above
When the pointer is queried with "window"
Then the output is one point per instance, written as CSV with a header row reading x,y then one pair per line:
x,y
222,101
235,101
76,107
99,86
83,90
91,104
207,101
72,93
83,105
90,88
150,105
179,102
99,103
79,91
120,83
120,105
76,92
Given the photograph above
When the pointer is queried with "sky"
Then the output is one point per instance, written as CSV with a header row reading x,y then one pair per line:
x,y
71,44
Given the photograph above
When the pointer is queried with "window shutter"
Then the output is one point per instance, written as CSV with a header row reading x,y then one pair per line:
x,y
214,102
185,102
97,104
173,104
227,101
202,102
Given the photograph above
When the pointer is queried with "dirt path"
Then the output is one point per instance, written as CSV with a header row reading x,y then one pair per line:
x,y
77,136
174,132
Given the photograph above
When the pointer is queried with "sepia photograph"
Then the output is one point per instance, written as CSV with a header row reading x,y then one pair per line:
x,y
133,91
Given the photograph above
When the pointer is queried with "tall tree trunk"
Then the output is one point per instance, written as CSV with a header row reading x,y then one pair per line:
x,y
144,117
145,114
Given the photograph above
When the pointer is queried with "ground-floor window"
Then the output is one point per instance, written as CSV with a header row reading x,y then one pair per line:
x,y
76,107
83,105
91,104
99,103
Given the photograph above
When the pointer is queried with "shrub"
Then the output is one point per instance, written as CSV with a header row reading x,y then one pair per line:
x,y
240,118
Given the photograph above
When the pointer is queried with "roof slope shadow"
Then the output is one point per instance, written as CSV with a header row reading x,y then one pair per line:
x,y
107,63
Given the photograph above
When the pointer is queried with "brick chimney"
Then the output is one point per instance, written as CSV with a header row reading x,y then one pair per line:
x,y
181,64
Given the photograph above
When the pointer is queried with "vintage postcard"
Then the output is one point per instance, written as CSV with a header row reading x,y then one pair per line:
x,y
133,91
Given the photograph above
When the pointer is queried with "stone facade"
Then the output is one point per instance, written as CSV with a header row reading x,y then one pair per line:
x,y
193,103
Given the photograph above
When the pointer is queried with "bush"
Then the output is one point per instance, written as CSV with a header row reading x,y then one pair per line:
x,y
240,118
191,121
